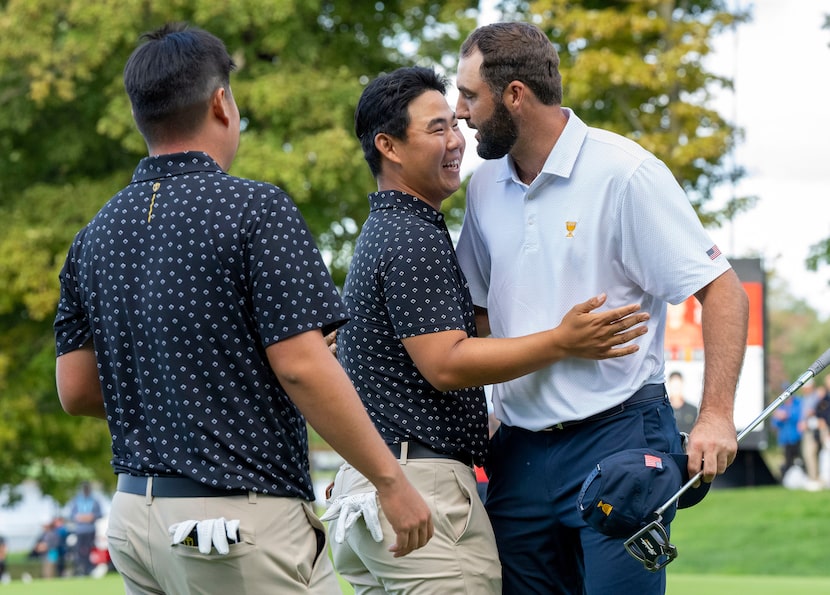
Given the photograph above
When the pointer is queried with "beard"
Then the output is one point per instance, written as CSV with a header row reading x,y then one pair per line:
x,y
497,135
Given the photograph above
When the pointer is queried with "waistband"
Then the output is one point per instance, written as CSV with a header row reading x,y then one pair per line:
x,y
171,487
415,450
649,392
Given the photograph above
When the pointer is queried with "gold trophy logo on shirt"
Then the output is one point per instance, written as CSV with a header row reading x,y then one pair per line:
x,y
570,226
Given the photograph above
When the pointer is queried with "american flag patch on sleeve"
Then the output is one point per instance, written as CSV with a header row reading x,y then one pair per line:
x,y
713,252
652,461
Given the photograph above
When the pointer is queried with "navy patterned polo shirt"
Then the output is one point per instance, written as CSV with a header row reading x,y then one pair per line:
x,y
404,281
182,280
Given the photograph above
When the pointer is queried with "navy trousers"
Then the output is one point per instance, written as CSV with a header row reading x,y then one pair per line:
x,y
544,545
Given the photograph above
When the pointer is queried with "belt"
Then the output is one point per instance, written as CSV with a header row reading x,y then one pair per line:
x,y
416,450
650,392
171,487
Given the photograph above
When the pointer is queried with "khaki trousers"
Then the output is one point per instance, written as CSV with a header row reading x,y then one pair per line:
x,y
461,558
282,547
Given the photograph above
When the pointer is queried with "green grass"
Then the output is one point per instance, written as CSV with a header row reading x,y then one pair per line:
x,y
759,541
718,584
678,584
109,585
754,531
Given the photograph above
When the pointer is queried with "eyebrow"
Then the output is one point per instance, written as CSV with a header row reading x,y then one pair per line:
x,y
441,120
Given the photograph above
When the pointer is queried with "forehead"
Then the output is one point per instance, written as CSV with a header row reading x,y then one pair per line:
x,y
469,71
429,106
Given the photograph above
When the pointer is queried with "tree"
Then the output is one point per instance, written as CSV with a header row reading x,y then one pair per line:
x,y
635,67
68,142
796,335
820,251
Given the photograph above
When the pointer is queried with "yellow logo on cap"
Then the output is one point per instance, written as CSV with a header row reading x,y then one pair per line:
x,y
605,507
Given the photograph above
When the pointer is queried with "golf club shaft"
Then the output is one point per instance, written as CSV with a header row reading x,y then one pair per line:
x,y
811,372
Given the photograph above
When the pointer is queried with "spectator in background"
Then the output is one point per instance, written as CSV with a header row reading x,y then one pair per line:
x,y
809,429
48,548
84,511
62,531
823,416
4,550
684,412
785,421
822,412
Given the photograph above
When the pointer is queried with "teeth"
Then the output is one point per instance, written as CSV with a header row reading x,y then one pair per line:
x,y
452,164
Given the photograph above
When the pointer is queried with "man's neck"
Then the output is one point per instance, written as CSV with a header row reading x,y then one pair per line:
x,y
531,151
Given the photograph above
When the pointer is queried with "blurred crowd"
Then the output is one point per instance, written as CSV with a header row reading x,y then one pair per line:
x,y
74,543
802,425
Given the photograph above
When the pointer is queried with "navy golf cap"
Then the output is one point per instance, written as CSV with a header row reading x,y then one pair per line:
x,y
621,494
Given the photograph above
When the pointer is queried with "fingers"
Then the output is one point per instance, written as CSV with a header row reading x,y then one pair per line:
x,y
712,447
592,304
615,352
409,541
331,341
627,333
617,314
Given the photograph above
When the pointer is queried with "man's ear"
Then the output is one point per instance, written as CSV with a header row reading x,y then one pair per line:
x,y
387,146
219,105
515,93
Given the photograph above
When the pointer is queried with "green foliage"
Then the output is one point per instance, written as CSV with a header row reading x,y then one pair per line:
x,y
68,141
635,67
796,335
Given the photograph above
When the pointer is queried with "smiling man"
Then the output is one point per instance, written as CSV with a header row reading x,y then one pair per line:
x,y
411,350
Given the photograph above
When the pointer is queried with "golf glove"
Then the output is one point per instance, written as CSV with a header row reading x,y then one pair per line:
x,y
209,533
347,509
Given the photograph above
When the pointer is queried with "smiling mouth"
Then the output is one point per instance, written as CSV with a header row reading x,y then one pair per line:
x,y
452,165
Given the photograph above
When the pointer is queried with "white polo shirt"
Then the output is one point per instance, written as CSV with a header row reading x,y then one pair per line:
x,y
605,215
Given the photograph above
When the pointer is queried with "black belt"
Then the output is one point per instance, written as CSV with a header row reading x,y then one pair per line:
x,y
172,487
419,451
650,392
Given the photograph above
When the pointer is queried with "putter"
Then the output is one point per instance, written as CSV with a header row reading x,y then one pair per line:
x,y
650,545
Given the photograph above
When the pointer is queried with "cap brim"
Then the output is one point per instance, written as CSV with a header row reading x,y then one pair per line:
x,y
694,494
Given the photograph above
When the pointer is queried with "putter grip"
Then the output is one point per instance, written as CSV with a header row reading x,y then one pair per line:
x,y
820,363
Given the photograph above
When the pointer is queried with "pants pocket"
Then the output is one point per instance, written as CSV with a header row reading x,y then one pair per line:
x,y
455,507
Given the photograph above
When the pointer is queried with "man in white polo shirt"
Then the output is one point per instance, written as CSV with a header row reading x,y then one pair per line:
x,y
563,211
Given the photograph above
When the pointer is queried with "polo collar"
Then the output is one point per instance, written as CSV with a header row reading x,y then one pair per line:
x,y
562,158
392,199
174,164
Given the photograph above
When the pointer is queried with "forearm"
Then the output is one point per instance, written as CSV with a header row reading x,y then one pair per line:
x,y
472,361
451,360
724,322
79,388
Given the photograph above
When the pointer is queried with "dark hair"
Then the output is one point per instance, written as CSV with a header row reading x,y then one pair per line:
x,y
384,106
171,77
517,52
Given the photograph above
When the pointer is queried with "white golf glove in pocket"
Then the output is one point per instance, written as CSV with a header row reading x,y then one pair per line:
x,y
209,533
347,509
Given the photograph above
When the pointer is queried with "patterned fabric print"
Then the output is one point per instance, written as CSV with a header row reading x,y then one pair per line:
x,y
404,281
182,280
